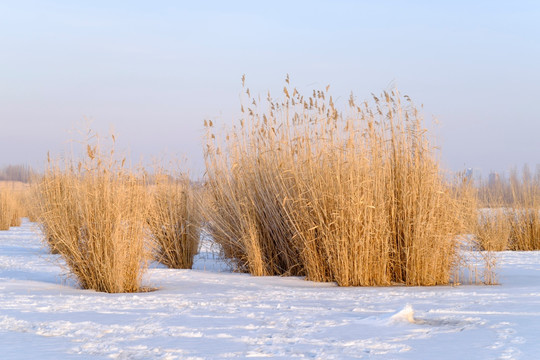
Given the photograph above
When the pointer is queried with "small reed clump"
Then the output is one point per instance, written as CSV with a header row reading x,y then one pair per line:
x,y
174,221
94,215
512,218
355,197
494,229
526,207
10,208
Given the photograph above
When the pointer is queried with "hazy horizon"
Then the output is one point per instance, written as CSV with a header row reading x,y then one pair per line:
x,y
155,71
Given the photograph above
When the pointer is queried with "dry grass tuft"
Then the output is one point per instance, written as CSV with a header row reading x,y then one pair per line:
x,y
355,197
174,221
93,214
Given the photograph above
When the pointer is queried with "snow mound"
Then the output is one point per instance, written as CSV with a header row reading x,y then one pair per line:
x,y
404,315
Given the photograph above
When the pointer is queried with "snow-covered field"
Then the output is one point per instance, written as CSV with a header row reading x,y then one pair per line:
x,y
211,313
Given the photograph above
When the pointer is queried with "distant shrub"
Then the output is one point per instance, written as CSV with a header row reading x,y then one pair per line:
x,y
20,173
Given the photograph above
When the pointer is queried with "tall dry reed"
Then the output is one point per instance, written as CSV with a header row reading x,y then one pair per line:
x,y
512,218
10,208
174,221
526,210
354,196
93,213
494,229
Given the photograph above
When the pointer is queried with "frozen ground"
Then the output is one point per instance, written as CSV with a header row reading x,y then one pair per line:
x,y
209,313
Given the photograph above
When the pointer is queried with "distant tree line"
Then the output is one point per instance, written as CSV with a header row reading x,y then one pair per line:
x,y
21,173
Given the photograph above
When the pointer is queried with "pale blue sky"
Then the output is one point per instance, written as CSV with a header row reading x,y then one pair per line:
x,y
154,70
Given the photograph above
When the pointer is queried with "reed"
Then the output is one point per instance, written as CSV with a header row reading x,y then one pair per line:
x,y
174,221
525,221
494,229
10,208
93,212
511,220
300,187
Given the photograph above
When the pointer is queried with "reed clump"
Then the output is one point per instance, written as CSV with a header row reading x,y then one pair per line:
x,y
511,220
174,221
21,194
526,210
11,209
93,212
494,229
300,187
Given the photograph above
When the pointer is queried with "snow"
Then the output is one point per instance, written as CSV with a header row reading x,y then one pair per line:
x,y
212,313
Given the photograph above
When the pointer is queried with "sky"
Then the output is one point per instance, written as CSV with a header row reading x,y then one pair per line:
x,y
153,71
